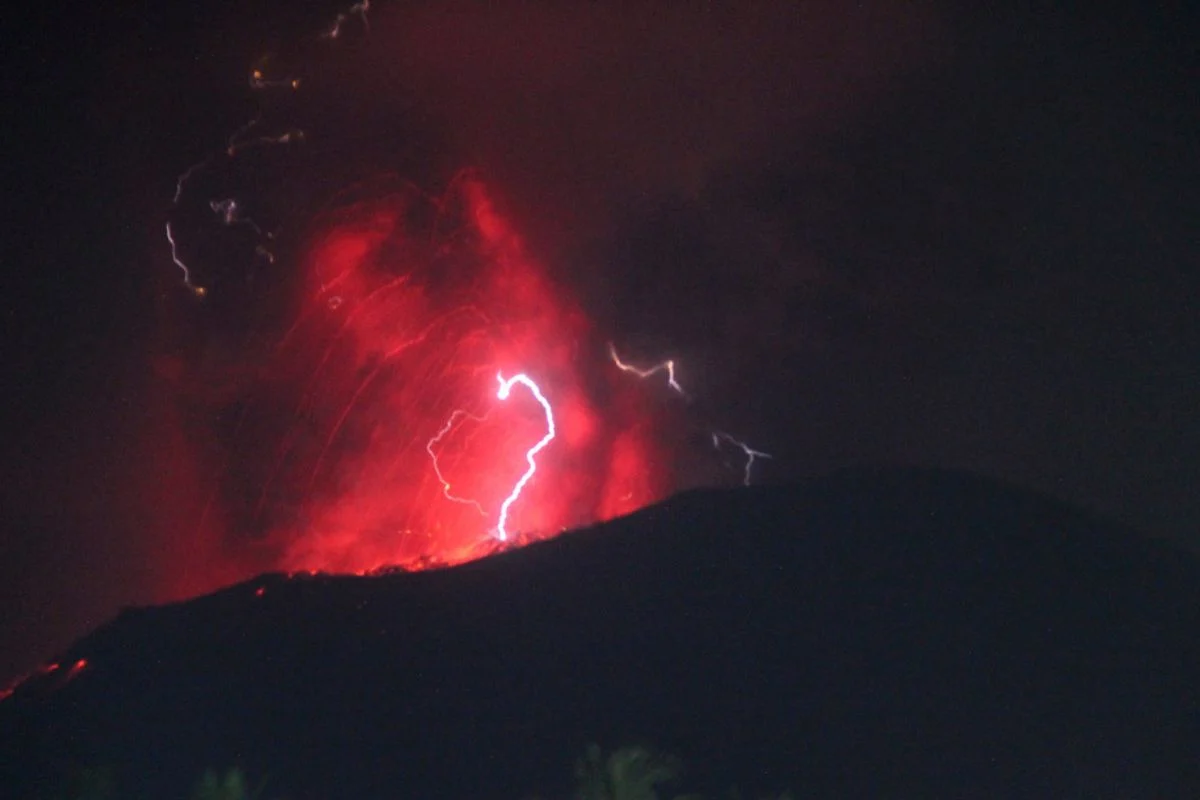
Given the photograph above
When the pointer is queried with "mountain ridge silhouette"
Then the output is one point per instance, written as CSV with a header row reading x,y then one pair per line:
x,y
879,631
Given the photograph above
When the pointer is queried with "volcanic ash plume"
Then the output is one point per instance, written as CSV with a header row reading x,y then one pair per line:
x,y
374,435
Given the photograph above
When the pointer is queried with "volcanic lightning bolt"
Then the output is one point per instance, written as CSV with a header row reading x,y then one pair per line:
x,y
718,437
750,453
502,393
199,291
666,366
389,306
228,210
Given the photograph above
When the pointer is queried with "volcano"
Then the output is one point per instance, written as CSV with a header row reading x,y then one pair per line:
x,y
355,415
870,633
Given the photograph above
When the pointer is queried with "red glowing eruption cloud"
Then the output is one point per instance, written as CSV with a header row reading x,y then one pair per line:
x,y
399,451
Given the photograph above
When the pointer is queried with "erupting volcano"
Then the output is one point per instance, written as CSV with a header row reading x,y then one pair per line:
x,y
434,396
390,378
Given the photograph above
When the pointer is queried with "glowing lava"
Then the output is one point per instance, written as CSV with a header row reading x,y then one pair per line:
x,y
50,677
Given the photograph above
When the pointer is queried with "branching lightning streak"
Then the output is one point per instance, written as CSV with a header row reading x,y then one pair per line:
x,y
502,393
751,453
228,209
199,291
437,468
717,436
666,366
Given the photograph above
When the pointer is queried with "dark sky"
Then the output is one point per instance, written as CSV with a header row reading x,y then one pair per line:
x,y
922,236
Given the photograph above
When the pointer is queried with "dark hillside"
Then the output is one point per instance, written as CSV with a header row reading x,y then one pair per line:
x,y
873,633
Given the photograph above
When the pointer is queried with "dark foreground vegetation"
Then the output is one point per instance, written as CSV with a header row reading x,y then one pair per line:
x,y
630,773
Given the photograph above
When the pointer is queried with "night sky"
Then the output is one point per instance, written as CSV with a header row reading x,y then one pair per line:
x,y
914,235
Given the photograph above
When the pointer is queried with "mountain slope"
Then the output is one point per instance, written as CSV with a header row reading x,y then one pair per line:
x,y
869,633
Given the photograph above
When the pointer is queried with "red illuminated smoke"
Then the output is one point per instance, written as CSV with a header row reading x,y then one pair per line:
x,y
409,308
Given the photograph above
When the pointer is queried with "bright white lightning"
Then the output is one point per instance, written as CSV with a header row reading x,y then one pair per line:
x,y
666,366
199,291
503,393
